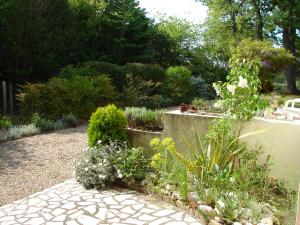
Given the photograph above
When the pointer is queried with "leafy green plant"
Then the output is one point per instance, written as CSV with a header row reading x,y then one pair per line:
x,y
142,118
95,168
177,85
46,125
5,122
19,131
132,163
77,95
137,91
107,123
69,120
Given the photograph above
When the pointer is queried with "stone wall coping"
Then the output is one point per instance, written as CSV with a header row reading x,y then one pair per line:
x,y
177,112
143,131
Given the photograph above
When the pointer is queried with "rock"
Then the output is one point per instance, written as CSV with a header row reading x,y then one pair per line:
x,y
176,196
213,222
246,222
205,208
268,210
168,187
165,192
219,219
246,213
145,182
193,197
180,204
266,221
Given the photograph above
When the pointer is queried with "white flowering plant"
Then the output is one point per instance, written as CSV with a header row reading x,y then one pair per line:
x,y
239,96
95,168
106,164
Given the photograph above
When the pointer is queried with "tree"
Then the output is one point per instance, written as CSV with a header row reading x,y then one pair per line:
x,y
287,18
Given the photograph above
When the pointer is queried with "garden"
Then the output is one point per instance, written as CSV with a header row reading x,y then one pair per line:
x,y
122,89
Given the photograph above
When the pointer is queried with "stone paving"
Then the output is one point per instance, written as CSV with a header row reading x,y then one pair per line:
x,y
69,203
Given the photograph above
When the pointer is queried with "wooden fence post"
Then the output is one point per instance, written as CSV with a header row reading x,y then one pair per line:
x,y
298,209
11,99
4,97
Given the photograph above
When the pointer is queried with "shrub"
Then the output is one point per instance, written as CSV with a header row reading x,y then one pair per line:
x,y
95,169
145,71
200,89
69,120
141,118
5,122
46,125
132,164
75,95
138,92
104,164
177,86
107,123
113,71
18,132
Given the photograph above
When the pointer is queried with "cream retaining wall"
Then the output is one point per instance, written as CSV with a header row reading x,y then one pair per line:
x,y
139,138
281,140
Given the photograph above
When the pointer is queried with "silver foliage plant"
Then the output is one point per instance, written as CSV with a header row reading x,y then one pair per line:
x,y
96,169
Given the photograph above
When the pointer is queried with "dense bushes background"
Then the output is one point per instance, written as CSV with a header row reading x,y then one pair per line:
x,y
78,95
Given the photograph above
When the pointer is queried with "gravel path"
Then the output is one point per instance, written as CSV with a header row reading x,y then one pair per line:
x,y
31,164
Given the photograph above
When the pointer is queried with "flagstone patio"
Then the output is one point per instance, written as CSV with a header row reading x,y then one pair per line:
x,y
69,203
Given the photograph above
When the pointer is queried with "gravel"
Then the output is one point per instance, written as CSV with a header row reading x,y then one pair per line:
x,y
31,164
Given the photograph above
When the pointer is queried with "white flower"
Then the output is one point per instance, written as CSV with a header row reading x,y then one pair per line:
x,y
99,142
120,175
216,87
87,160
243,82
86,169
102,177
231,88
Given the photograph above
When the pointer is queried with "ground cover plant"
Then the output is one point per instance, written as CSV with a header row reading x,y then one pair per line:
x,y
36,125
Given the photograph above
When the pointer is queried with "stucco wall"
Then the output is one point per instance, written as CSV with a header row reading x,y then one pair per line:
x,y
137,138
281,140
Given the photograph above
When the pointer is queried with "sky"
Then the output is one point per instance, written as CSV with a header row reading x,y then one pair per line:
x,y
186,9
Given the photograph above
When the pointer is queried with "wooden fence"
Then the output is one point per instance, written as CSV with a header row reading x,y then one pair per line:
x,y
7,97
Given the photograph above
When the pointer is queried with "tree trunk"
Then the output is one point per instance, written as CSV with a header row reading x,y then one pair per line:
x,y
289,43
259,20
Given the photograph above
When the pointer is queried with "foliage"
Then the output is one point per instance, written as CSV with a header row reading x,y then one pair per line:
x,y
240,94
107,124
76,95
145,71
139,92
177,85
106,164
132,163
45,125
69,120
5,122
16,132
201,89
95,168
273,60
141,118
